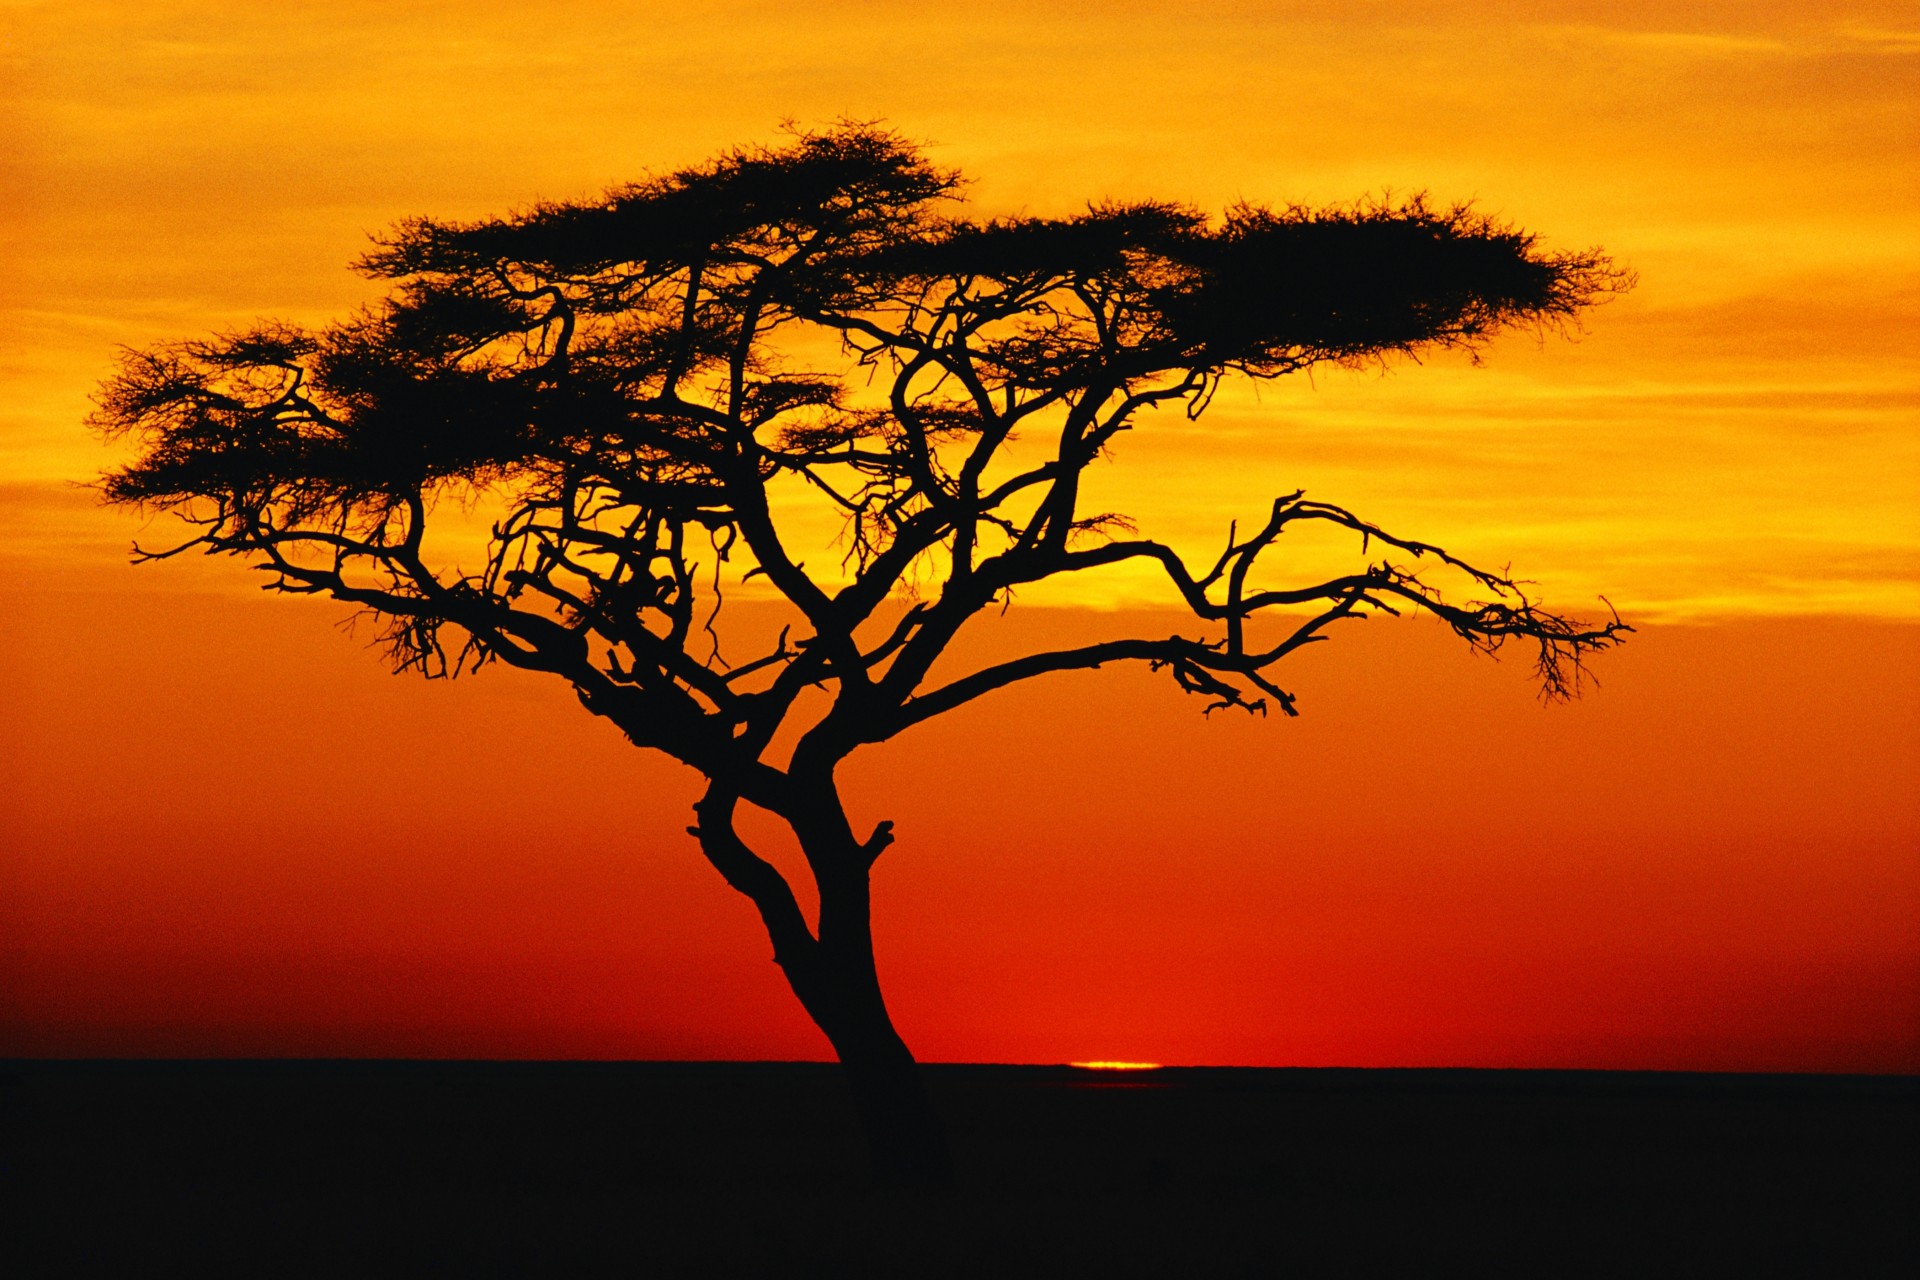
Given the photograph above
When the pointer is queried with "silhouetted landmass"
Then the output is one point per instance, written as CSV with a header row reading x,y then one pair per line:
x,y
508,1168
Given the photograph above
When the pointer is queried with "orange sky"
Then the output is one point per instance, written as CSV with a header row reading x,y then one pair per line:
x,y
226,830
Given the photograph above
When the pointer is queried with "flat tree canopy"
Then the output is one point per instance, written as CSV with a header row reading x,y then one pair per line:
x,y
634,387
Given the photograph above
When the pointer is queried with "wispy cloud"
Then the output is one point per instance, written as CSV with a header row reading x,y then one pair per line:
x,y
1680,43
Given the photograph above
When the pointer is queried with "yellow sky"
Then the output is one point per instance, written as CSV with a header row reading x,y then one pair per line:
x,y
1737,436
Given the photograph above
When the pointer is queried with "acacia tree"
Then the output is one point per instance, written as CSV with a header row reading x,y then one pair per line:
x,y
633,384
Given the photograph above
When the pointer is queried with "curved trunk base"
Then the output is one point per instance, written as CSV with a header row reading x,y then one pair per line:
x,y
907,1140
904,1134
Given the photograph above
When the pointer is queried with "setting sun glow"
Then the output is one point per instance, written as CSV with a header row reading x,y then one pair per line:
x,y
1116,1066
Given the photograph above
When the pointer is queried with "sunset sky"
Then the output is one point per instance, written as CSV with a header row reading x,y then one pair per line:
x,y
225,829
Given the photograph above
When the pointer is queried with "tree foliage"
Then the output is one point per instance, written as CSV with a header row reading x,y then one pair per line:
x,y
612,371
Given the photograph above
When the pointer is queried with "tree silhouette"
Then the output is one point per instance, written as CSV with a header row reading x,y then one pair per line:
x,y
631,386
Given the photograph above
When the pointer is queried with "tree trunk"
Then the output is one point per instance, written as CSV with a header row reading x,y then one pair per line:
x,y
841,991
833,975
906,1139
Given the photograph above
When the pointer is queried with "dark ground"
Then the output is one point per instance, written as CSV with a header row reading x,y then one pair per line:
x,y
422,1168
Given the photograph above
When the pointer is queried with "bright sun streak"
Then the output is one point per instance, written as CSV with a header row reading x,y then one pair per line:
x,y
1104,1065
